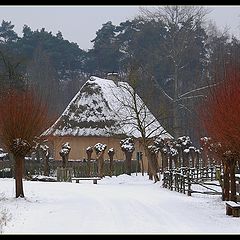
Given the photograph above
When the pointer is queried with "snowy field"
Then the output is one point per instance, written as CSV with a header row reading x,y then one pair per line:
x,y
117,205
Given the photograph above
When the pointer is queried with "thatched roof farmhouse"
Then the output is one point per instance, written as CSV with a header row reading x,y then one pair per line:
x,y
101,112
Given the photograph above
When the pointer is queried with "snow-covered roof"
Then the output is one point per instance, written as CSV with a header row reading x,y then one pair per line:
x,y
100,108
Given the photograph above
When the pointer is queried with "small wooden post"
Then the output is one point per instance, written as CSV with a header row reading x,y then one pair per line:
x,y
189,183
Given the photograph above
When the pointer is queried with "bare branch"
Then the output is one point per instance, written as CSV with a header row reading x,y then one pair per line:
x,y
198,89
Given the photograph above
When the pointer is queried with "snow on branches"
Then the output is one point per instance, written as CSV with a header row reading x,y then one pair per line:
x,y
65,150
111,152
127,145
89,149
100,147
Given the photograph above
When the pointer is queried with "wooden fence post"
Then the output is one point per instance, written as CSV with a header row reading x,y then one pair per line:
x,y
64,174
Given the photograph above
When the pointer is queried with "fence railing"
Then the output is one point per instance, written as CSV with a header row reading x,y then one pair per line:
x,y
183,179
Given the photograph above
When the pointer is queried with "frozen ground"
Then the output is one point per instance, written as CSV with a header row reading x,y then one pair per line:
x,y
123,204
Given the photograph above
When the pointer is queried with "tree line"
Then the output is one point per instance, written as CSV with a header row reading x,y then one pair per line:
x,y
176,51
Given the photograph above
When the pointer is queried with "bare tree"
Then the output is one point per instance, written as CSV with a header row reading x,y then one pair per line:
x,y
180,22
42,153
23,116
135,115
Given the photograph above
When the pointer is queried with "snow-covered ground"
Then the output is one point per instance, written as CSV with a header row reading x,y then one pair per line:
x,y
123,204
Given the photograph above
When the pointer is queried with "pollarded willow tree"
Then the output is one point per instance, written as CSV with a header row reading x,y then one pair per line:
x,y
64,153
220,115
111,154
127,146
153,151
100,150
89,151
23,117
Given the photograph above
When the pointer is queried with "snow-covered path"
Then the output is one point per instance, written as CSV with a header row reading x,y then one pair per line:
x,y
123,204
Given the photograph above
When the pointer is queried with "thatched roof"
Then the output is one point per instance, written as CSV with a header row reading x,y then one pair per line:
x,y
100,108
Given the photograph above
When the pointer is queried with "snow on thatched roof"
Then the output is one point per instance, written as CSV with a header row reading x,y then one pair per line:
x,y
98,110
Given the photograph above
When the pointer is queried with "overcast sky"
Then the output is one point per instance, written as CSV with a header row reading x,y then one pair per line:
x,y
80,23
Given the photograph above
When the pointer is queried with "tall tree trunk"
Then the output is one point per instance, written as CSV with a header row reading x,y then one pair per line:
x,y
19,176
176,122
225,182
176,125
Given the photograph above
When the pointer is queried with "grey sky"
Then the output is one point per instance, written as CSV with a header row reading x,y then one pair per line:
x,y
80,23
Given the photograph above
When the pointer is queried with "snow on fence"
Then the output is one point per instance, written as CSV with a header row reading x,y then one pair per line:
x,y
193,180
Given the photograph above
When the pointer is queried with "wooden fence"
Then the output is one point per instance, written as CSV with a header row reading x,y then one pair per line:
x,y
80,168
183,179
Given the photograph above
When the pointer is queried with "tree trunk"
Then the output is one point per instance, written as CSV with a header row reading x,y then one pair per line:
x,y
204,158
37,152
142,167
192,157
233,180
111,164
170,162
150,175
153,166
176,122
197,160
128,162
46,166
164,161
185,159
19,176
176,125
65,160
100,162
225,182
